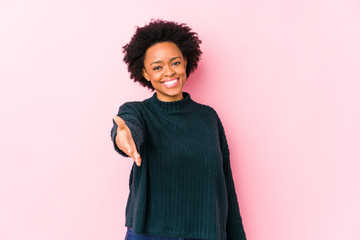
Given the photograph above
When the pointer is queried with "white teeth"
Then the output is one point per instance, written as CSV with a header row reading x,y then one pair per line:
x,y
170,82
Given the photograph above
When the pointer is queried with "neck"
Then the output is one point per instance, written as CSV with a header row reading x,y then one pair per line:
x,y
171,106
168,98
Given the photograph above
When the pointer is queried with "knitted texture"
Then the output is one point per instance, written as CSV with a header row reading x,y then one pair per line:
x,y
184,186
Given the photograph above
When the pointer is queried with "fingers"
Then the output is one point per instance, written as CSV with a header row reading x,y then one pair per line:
x,y
136,157
130,150
125,142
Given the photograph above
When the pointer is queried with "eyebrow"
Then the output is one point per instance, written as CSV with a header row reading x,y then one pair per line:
x,y
159,61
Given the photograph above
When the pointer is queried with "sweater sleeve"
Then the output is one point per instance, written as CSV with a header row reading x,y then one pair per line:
x,y
234,225
133,120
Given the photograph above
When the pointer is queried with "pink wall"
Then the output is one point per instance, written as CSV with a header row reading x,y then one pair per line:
x,y
283,75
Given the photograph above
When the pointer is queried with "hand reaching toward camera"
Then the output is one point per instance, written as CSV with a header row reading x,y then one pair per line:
x,y
124,140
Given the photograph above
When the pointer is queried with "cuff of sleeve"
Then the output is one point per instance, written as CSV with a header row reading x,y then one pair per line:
x,y
115,146
235,230
136,133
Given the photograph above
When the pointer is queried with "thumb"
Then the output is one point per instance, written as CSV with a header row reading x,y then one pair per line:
x,y
119,121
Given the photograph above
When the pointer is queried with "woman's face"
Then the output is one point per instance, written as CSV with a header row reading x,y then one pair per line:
x,y
165,68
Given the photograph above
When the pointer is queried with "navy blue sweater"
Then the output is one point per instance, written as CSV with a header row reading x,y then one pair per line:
x,y
184,186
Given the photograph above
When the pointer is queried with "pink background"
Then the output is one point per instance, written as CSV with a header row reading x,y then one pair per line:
x,y
284,77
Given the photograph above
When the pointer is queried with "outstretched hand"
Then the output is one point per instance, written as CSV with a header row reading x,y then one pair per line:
x,y
124,140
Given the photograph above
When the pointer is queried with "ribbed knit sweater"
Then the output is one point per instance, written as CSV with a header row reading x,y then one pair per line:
x,y
184,187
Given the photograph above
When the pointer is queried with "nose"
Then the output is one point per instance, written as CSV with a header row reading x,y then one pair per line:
x,y
169,71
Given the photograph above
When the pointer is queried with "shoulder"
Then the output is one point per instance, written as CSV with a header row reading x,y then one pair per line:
x,y
211,113
136,106
131,105
206,109
131,111
130,108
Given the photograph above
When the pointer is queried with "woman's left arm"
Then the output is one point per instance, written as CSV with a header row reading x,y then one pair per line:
x,y
234,225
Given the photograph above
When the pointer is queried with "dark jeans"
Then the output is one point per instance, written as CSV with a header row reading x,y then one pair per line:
x,y
130,235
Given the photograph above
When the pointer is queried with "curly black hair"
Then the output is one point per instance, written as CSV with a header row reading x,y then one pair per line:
x,y
160,31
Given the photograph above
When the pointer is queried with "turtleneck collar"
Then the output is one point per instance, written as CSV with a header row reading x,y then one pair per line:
x,y
173,106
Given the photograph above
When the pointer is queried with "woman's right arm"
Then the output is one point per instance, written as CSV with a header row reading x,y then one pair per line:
x,y
127,133
124,140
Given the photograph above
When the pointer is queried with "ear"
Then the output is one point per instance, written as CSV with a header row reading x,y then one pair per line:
x,y
145,74
185,61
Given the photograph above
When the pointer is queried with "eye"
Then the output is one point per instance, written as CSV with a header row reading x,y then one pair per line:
x,y
176,63
156,68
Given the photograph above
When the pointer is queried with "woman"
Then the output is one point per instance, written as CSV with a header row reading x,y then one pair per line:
x,y
181,186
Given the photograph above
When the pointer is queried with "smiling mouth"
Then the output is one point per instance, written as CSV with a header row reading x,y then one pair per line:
x,y
171,83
